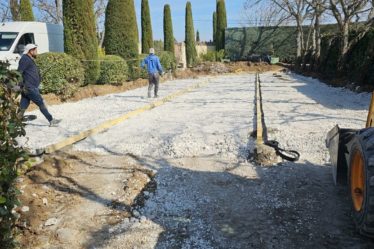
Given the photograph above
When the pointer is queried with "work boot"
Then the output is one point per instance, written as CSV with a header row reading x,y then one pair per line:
x,y
54,122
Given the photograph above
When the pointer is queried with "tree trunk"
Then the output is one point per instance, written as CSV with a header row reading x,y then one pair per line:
x,y
344,45
14,9
58,4
317,42
299,41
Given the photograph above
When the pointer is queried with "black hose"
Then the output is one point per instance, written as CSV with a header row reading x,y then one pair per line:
x,y
289,155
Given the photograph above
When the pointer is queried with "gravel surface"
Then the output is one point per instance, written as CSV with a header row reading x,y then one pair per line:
x,y
208,195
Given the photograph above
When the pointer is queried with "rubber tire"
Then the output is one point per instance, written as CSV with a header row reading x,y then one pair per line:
x,y
364,219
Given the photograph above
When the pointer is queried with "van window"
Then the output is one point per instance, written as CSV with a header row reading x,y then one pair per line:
x,y
23,41
7,40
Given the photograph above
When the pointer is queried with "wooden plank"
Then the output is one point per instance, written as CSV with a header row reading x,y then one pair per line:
x,y
259,128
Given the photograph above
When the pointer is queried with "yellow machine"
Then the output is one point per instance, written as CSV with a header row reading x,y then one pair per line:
x,y
352,159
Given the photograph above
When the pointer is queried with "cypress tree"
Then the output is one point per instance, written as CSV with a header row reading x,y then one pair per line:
x,y
147,37
221,25
25,11
214,26
168,30
191,53
197,36
80,35
121,30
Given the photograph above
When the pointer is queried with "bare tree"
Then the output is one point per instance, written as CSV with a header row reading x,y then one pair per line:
x,y
319,7
267,17
51,10
344,12
5,13
266,14
300,10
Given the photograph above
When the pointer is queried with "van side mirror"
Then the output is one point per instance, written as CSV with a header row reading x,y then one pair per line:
x,y
20,49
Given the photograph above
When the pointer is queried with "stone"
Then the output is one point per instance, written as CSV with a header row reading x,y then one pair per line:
x,y
45,201
51,222
136,213
25,209
143,219
66,235
265,155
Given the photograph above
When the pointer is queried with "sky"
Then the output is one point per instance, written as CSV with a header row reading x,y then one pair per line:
x,y
202,11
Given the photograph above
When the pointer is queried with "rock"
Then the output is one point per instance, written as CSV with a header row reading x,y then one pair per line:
x,y
51,222
66,235
133,220
143,219
34,195
45,201
146,193
45,187
265,155
25,209
136,213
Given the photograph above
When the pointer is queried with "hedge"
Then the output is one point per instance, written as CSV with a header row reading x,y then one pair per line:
x,y
135,70
11,128
359,64
168,60
113,70
61,74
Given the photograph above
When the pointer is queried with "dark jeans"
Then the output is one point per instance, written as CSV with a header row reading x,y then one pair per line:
x,y
154,79
34,96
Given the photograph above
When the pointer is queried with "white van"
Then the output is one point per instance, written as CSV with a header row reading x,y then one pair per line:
x,y
14,36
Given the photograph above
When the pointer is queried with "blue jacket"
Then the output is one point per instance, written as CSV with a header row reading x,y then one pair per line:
x,y
30,72
153,64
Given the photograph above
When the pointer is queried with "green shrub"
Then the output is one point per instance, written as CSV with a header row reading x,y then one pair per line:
x,y
61,74
220,55
113,70
168,60
135,70
10,151
210,56
213,56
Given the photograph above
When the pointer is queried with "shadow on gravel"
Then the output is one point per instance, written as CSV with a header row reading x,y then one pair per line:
x,y
331,97
292,205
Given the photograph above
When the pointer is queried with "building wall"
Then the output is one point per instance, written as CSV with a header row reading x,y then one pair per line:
x,y
180,52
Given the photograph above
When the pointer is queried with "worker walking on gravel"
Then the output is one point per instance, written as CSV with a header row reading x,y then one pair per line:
x,y
154,69
30,84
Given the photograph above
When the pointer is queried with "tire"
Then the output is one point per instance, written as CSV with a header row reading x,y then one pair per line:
x,y
361,180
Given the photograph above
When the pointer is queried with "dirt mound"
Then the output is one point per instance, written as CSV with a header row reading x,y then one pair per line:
x,y
73,196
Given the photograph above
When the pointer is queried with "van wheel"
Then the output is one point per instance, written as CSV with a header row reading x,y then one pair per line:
x,y
361,180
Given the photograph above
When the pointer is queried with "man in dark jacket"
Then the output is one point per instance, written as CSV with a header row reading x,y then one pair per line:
x,y
31,82
154,69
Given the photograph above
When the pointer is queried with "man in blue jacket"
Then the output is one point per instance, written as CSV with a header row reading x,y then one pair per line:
x,y
30,84
154,69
